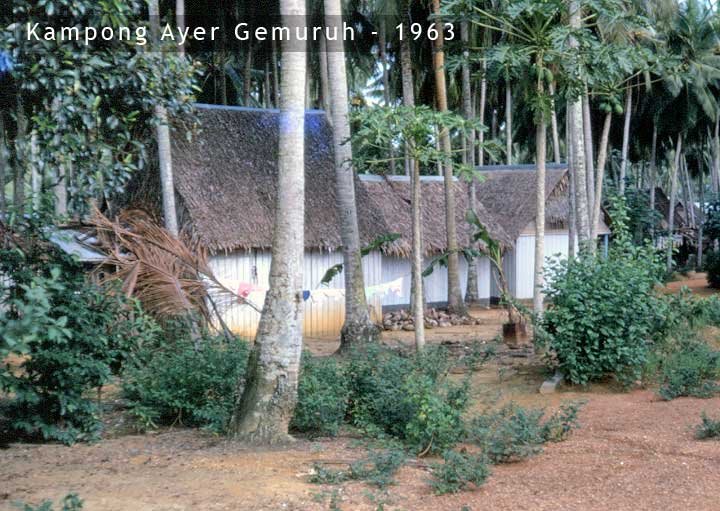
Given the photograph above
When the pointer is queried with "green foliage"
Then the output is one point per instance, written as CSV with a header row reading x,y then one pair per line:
x,y
71,502
377,469
513,433
603,311
691,370
71,337
183,383
323,395
458,471
711,265
708,428
407,397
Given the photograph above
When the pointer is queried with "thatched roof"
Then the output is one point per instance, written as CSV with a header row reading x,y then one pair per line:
x,y
226,185
508,194
681,214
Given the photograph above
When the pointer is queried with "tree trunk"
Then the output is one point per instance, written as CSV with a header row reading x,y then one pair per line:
x,y
247,74
382,57
60,190
358,328
589,157
35,175
324,79
554,126
180,21
3,165
671,208
263,413
572,213
540,156
716,157
701,220
481,115
653,176
221,57
577,137
600,178
455,301
508,119
626,140
471,291
275,76
162,131
21,156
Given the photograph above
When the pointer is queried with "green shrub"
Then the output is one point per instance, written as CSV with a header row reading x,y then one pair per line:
x,y
377,469
711,265
71,337
691,370
407,397
322,397
708,428
177,383
71,502
513,433
458,471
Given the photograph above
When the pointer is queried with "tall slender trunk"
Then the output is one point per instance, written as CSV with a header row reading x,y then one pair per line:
x,y
324,78
247,74
263,413
673,199
221,57
481,114
653,175
162,132
180,21
716,156
554,125
687,194
572,214
275,75
589,156
357,328
455,301
3,164
600,177
471,291
417,302
382,57
493,130
35,174
508,119
21,155
540,156
626,140
701,220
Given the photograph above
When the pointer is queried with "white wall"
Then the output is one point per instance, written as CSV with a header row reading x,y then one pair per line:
x,y
556,243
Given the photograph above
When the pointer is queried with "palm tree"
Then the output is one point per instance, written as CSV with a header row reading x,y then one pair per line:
x,y
455,301
162,131
358,327
265,408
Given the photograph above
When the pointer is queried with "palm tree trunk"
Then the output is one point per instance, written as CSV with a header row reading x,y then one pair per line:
x,y
508,119
275,75
357,328
162,132
35,175
572,213
180,21
3,164
600,178
540,156
701,220
247,74
653,176
324,79
716,157
264,411
481,114
221,58
626,140
21,156
455,301
589,157
554,125
673,199
382,56
471,291
417,301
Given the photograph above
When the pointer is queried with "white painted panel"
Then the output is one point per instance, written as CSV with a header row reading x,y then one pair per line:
x,y
484,276
556,245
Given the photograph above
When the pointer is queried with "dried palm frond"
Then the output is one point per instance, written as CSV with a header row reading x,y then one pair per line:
x,y
170,276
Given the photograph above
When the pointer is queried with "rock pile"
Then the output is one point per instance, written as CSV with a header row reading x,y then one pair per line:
x,y
434,318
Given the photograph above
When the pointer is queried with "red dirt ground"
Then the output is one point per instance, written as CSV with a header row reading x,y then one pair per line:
x,y
632,452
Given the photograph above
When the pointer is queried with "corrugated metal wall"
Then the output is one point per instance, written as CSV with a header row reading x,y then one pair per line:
x,y
555,244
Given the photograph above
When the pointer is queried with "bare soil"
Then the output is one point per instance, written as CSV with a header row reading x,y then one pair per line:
x,y
632,452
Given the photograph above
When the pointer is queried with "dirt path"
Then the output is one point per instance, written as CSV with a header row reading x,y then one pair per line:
x,y
633,452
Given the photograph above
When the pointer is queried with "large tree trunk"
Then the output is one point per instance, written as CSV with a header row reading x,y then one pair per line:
x,y
265,409
626,140
540,156
455,301
600,178
508,119
382,57
162,132
589,157
554,125
673,199
471,291
481,114
358,328
577,136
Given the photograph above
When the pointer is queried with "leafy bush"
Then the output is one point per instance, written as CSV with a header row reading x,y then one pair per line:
x,y
692,370
711,265
377,469
71,502
458,471
322,396
407,397
513,433
179,383
708,428
71,337
603,311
